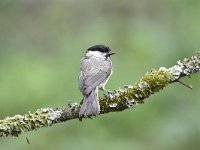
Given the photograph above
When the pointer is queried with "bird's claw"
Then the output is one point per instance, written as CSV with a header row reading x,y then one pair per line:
x,y
105,90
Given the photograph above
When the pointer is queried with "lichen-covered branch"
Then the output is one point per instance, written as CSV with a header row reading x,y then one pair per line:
x,y
125,98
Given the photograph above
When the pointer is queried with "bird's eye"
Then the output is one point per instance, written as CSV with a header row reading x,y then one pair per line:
x,y
102,50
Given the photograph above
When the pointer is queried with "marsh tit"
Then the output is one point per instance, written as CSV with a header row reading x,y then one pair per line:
x,y
95,70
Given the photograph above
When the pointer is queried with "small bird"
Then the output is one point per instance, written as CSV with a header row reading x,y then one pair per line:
x,y
95,70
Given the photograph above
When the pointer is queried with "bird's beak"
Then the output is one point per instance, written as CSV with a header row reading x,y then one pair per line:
x,y
109,54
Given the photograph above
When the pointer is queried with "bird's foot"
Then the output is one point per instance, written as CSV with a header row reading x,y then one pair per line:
x,y
105,90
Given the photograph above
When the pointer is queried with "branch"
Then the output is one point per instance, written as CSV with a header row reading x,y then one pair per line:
x,y
119,100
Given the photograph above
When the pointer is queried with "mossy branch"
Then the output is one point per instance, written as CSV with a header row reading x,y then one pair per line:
x,y
119,100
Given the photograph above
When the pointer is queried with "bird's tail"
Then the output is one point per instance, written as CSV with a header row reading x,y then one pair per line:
x,y
90,106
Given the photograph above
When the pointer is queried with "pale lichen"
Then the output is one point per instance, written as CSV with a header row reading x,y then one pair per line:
x,y
186,67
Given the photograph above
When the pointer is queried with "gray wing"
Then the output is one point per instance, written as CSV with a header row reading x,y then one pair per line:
x,y
95,72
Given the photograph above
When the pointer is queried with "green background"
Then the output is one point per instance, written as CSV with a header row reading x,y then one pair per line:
x,y
42,42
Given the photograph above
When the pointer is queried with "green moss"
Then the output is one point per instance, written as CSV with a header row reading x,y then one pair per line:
x,y
18,124
150,83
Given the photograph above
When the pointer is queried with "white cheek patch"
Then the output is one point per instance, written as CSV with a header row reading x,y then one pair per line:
x,y
96,54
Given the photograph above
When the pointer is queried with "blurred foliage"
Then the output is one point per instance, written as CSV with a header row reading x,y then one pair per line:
x,y
42,42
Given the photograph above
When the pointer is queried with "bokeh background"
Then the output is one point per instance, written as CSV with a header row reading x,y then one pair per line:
x,y
42,42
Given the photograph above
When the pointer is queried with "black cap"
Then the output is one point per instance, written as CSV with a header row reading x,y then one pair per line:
x,y
100,48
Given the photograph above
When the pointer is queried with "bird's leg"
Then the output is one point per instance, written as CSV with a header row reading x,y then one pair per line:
x,y
105,90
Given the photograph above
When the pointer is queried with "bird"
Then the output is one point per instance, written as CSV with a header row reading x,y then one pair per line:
x,y
95,70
